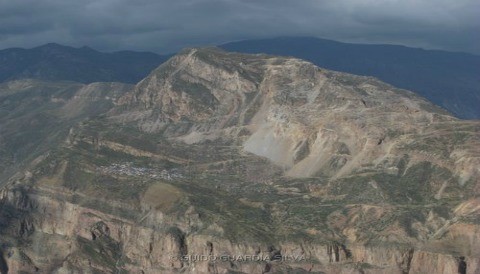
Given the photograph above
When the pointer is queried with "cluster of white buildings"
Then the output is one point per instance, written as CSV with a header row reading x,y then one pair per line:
x,y
130,170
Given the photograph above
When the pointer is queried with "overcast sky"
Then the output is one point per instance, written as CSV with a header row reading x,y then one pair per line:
x,y
168,25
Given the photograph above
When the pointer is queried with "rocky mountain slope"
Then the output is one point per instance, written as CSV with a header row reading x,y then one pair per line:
x,y
449,79
53,62
231,163
36,115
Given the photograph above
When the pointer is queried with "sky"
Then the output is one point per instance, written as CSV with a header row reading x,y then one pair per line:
x,y
165,26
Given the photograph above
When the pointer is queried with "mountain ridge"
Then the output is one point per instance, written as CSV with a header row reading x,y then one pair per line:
x,y
448,79
85,65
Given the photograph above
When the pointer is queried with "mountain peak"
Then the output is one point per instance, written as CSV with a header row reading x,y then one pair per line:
x,y
284,102
54,46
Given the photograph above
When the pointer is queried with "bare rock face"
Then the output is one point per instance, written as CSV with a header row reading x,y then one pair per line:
x,y
228,163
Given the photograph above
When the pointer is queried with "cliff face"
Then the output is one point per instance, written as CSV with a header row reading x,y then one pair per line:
x,y
227,163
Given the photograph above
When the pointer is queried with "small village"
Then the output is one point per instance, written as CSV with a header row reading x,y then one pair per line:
x,y
130,170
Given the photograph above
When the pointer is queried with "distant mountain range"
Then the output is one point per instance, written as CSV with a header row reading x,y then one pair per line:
x,y
449,79
85,65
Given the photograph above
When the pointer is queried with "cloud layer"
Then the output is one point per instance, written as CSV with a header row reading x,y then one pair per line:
x,y
167,25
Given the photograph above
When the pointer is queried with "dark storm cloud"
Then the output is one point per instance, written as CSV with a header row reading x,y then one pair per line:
x,y
162,25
